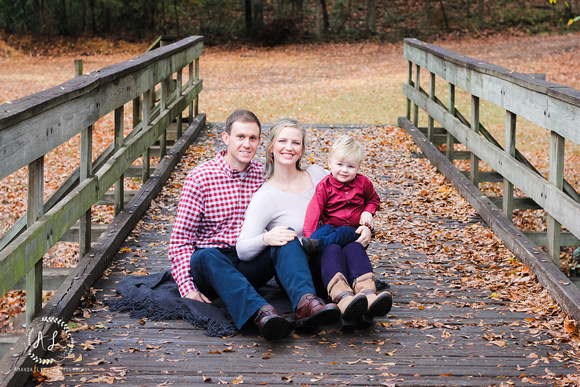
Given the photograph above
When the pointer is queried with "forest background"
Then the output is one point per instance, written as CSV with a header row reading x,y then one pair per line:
x,y
272,22
323,61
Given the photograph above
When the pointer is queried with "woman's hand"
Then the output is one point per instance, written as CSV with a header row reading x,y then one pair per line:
x,y
198,296
365,235
278,236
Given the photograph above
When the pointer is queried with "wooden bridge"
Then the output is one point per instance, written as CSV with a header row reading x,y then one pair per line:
x,y
452,322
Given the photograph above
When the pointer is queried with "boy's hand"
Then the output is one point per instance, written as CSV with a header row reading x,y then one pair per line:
x,y
366,219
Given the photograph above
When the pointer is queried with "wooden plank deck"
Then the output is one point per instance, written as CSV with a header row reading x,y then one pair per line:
x,y
441,330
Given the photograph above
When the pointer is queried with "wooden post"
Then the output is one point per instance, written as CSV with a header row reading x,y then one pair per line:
x,y
196,107
118,143
474,173
510,148
557,144
136,112
147,107
430,123
418,87
180,115
162,107
410,82
78,67
86,171
34,211
451,108
191,82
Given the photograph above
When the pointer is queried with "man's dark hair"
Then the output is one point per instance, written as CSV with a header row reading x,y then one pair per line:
x,y
241,115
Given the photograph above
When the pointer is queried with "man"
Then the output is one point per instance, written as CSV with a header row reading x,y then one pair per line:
x,y
211,210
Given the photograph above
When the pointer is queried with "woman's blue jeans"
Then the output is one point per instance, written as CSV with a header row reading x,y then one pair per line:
x,y
219,272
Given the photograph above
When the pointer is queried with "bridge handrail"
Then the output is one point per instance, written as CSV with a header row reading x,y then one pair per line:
x,y
549,105
32,126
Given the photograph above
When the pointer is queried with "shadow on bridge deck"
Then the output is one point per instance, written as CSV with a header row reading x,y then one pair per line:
x,y
445,328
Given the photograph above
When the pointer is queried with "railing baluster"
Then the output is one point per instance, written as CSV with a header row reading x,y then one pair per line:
x,y
451,108
196,107
118,141
410,82
190,81
474,172
557,145
180,115
147,106
418,87
34,212
162,107
85,171
430,122
510,148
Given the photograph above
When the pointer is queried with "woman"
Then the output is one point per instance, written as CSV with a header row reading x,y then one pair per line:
x,y
279,206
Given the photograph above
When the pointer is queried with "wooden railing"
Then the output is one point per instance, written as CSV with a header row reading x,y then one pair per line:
x,y
551,106
35,125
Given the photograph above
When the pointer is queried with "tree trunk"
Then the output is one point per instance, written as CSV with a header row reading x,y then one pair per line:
x,y
176,17
428,16
372,16
258,13
444,16
93,10
163,21
248,4
63,23
326,22
83,22
480,14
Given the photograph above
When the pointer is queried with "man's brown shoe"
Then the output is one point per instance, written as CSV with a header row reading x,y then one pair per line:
x,y
312,311
272,324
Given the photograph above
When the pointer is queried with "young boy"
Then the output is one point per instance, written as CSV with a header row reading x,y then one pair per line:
x,y
343,201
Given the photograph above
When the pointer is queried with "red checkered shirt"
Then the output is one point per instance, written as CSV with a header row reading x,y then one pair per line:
x,y
211,210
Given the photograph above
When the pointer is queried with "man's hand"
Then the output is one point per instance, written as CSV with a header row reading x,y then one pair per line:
x,y
198,296
365,235
278,236
366,219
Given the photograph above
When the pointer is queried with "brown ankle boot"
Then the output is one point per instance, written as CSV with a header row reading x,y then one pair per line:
x,y
341,294
378,304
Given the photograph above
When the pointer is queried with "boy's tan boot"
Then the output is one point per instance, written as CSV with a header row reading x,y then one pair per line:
x,y
341,294
378,304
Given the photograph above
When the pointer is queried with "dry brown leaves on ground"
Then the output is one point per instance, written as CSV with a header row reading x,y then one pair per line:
x,y
347,83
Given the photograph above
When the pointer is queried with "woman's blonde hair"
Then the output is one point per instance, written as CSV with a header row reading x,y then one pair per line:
x,y
345,147
273,136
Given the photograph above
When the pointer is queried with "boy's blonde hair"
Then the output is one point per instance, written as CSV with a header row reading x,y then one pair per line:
x,y
347,147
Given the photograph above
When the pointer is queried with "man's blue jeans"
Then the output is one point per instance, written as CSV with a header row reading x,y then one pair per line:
x,y
219,272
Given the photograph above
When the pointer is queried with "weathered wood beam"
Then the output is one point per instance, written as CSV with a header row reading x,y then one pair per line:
x,y
26,250
43,121
557,203
558,285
